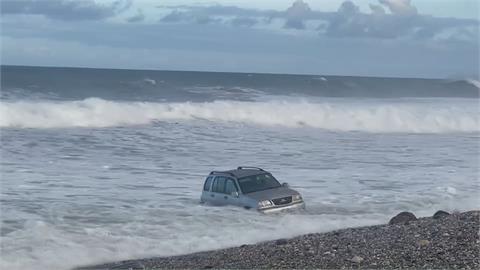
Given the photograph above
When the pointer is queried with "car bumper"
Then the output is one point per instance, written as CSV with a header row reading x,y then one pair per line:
x,y
299,205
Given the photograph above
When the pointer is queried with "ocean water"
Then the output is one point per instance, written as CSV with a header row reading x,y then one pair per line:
x,y
105,165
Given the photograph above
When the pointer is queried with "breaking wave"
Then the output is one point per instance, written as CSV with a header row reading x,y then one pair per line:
x,y
474,82
416,117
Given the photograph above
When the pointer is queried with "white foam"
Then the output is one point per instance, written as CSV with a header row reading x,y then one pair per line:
x,y
413,117
473,82
45,246
150,81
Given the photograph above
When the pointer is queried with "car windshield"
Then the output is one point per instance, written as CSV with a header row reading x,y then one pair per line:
x,y
258,182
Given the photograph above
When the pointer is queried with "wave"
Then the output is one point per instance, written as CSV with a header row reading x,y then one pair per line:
x,y
473,82
411,116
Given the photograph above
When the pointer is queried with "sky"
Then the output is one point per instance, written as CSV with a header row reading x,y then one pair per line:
x,y
381,38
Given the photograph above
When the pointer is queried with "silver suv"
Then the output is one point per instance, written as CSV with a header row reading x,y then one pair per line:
x,y
251,188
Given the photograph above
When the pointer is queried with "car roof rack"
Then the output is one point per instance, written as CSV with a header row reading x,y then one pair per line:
x,y
249,167
217,172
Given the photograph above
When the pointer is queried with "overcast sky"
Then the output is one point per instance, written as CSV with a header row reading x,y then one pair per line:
x,y
387,38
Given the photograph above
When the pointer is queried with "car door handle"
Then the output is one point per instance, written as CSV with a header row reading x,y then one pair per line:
x,y
225,197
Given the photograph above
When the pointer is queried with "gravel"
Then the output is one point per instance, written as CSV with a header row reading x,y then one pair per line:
x,y
446,242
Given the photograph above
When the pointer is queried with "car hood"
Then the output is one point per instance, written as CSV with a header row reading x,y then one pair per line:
x,y
273,193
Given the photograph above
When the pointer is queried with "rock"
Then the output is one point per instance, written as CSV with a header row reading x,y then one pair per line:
x,y
440,214
423,243
281,242
402,218
356,259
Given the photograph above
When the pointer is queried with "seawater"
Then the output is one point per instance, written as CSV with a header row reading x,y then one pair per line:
x,y
105,165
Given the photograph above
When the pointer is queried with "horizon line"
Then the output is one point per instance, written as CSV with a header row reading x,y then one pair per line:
x,y
242,72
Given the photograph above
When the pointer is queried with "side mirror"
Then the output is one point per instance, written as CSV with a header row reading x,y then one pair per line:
x,y
285,185
235,194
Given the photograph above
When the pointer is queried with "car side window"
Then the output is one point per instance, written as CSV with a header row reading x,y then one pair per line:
x,y
208,183
219,184
230,186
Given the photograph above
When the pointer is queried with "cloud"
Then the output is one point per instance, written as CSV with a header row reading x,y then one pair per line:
x,y
244,21
388,19
348,8
296,14
67,10
400,7
402,21
348,21
220,10
377,9
185,16
176,16
137,18
352,42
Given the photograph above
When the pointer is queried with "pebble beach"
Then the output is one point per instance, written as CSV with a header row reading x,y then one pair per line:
x,y
443,241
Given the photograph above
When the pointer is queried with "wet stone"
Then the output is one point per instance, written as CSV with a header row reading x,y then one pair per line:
x,y
281,242
402,218
440,214
423,243
356,259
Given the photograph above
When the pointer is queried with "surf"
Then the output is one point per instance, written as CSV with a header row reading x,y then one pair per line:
x,y
410,116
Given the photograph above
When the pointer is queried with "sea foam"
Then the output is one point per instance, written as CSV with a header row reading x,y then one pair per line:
x,y
409,116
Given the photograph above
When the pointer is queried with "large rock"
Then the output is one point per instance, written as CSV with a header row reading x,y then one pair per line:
x,y
402,218
440,214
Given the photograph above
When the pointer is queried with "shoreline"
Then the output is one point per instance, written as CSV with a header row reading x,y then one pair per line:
x,y
443,241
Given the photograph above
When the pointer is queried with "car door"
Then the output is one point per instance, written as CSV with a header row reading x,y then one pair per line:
x,y
231,192
218,191
206,193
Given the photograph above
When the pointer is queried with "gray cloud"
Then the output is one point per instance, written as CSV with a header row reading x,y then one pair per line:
x,y
137,18
67,10
404,23
176,16
296,14
377,9
184,16
219,10
403,20
410,42
244,21
401,7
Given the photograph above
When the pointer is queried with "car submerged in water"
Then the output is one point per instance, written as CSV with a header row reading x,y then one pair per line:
x,y
251,188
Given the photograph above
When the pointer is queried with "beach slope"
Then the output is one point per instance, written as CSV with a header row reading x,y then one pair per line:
x,y
444,241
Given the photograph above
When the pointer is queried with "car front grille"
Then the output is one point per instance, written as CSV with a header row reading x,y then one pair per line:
x,y
281,201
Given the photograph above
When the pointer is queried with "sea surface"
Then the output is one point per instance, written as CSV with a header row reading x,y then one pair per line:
x,y
104,165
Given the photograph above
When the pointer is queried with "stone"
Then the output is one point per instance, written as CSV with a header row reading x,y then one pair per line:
x,y
402,218
423,243
281,242
440,214
356,259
